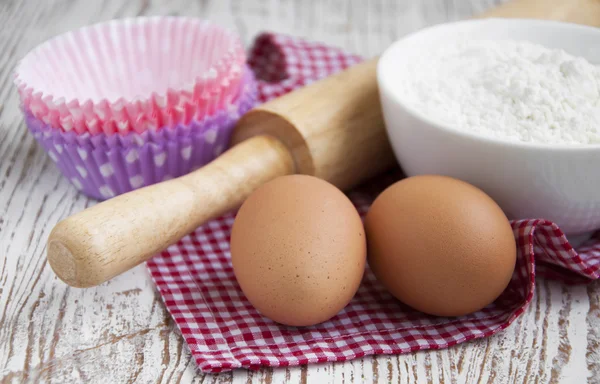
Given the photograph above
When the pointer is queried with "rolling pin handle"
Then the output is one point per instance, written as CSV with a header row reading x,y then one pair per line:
x,y
103,241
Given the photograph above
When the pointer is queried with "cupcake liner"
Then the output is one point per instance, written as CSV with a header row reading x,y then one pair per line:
x,y
102,173
103,166
246,98
125,75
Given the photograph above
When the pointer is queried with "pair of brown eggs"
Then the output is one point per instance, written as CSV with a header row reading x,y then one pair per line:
x,y
299,247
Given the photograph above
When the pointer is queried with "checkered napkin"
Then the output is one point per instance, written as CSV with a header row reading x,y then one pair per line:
x,y
222,329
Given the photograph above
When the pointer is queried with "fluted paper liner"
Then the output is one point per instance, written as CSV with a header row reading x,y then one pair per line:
x,y
131,74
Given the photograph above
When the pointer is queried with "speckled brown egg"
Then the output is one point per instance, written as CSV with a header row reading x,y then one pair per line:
x,y
298,250
440,245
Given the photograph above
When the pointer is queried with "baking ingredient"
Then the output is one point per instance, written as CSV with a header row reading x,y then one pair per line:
x,y
513,90
298,250
440,245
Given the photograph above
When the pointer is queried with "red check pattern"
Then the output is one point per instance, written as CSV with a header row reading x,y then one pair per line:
x,y
222,329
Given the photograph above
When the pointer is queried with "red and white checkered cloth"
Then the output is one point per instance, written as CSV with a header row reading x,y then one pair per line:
x,y
224,331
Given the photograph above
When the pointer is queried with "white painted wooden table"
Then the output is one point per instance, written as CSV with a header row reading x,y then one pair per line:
x,y
121,332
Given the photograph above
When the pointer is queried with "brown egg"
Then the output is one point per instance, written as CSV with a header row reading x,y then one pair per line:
x,y
440,245
298,250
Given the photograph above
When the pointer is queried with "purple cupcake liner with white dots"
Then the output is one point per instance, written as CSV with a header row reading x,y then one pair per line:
x,y
103,166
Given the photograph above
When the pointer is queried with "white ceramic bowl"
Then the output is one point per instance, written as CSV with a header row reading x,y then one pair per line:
x,y
555,182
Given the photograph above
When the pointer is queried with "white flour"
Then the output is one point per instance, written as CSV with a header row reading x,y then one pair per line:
x,y
511,90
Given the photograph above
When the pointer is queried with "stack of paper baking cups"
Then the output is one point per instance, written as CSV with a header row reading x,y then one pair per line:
x,y
128,103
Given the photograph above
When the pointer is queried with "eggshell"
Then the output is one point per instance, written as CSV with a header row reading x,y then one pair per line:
x,y
440,245
298,250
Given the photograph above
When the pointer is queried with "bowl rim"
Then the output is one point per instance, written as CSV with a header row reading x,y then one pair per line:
x,y
385,87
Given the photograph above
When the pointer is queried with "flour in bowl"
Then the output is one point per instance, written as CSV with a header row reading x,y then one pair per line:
x,y
507,89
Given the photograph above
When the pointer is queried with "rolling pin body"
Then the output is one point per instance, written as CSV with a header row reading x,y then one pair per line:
x,y
332,129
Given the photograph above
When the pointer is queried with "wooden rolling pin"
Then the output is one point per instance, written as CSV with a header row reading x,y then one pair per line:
x,y
332,129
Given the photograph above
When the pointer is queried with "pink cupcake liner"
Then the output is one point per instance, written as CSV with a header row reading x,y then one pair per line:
x,y
103,166
247,96
130,74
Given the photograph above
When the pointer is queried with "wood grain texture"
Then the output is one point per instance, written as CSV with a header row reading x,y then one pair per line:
x,y
121,332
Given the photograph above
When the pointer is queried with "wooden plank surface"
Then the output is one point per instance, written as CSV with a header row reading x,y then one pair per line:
x,y
121,332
